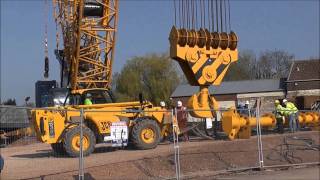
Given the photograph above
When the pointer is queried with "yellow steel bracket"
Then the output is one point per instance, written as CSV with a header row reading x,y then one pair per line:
x,y
204,57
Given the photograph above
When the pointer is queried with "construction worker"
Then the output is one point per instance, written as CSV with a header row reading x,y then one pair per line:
x,y
1,163
290,112
182,120
279,113
162,104
167,122
246,108
88,101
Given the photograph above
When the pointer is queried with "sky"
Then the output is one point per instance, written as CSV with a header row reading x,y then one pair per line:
x,y
144,26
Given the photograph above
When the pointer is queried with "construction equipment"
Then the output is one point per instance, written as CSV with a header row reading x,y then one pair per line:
x,y
89,35
205,47
237,126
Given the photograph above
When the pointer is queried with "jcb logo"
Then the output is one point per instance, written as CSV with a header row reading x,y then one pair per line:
x,y
105,125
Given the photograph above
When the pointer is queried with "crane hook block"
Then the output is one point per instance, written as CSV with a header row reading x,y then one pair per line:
x,y
204,56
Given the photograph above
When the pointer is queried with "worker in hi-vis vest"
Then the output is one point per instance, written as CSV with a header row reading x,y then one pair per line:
x,y
291,111
279,113
88,101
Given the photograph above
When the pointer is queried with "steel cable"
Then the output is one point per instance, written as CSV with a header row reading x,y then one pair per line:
x,y
225,15
229,8
221,19
180,13
212,15
175,12
208,12
217,14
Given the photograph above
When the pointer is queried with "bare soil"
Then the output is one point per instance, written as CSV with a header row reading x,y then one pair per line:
x,y
198,159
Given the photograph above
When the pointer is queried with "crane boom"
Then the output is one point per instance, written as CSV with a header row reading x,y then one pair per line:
x,y
88,29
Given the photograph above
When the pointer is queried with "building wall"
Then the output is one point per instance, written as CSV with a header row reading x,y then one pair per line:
x,y
310,92
293,86
304,98
227,97
305,102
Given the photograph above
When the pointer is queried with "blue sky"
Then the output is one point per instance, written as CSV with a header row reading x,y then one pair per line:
x,y
290,25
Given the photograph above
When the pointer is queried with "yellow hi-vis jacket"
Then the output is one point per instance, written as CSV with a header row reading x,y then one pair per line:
x,y
87,102
279,111
290,108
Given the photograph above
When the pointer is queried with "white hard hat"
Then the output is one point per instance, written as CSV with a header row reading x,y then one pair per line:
x,y
162,104
179,103
247,102
284,100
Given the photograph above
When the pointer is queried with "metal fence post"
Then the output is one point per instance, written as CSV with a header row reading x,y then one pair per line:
x,y
260,149
81,166
176,143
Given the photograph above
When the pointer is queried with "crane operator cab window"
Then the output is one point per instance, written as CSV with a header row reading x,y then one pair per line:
x,y
97,97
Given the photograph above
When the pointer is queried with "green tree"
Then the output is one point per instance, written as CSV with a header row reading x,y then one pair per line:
x,y
274,64
153,75
11,102
271,64
243,69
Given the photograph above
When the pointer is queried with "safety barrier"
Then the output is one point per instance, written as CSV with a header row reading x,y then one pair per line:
x,y
233,141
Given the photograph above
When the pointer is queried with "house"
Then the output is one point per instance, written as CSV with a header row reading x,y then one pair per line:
x,y
302,87
303,83
231,93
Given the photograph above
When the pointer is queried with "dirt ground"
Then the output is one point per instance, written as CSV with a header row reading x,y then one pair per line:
x,y
198,159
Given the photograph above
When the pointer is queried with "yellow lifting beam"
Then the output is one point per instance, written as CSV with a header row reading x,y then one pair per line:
x,y
238,126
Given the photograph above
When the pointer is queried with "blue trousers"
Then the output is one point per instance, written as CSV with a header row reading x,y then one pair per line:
x,y
294,122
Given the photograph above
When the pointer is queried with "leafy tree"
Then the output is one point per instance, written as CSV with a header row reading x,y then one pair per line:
x,y
243,69
10,102
271,64
153,75
274,64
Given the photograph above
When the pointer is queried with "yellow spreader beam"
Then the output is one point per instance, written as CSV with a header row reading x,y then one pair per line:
x,y
237,126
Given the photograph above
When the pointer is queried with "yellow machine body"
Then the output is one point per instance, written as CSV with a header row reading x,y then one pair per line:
x,y
51,123
88,30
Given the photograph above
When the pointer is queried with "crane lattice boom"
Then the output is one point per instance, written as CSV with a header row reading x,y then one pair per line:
x,y
88,29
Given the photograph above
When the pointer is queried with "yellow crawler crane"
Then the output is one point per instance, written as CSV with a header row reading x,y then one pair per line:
x,y
237,126
88,30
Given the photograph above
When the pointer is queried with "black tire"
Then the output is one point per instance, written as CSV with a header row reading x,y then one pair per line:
x,y
58,149
137,131
74,133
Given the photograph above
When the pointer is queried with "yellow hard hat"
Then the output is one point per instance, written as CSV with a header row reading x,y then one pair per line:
x,y
277,101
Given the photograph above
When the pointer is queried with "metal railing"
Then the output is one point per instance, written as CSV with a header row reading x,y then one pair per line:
x,y
209,144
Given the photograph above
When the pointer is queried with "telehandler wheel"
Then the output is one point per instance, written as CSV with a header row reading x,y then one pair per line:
x,y
72,141
58,148
145,134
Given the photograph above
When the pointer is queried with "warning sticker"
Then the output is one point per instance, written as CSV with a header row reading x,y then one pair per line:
x,y
119,134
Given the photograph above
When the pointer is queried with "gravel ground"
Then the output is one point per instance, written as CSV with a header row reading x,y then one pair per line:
x,y
198,159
